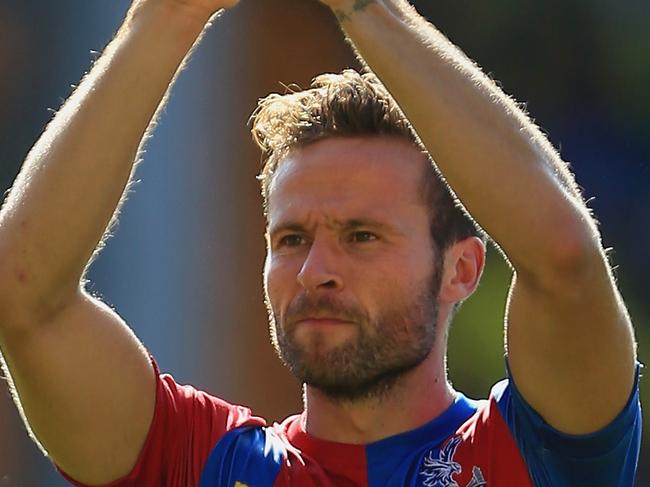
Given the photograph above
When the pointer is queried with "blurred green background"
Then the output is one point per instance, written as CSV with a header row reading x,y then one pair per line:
x,y
184,265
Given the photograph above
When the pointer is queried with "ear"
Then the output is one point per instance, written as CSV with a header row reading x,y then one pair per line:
x,y
463,265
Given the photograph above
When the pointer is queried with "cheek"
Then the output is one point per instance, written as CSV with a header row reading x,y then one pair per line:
x,y
398,281
279,282
418,265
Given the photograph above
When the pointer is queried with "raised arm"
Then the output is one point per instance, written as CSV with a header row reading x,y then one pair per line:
x,y
84,382
569,339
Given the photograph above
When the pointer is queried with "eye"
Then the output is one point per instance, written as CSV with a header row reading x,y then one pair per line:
x,y
291,240
362,236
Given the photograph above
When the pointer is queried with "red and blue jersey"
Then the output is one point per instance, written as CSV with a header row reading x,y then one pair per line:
x,y
199,440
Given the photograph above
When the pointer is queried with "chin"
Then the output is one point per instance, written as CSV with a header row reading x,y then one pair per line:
x,y
318,342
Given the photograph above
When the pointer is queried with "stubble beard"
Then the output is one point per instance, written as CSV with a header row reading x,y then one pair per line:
x,y
371,365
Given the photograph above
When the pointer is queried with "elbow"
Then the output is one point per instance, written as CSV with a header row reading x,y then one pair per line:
x,y
25,301
574,257
579,252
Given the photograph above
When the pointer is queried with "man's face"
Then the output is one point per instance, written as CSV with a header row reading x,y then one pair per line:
x,y
350,279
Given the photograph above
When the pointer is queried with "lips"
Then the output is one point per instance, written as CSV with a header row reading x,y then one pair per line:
x,y
323,321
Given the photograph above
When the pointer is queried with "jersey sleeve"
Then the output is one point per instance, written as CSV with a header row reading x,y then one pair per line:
x,y
605,458
186,425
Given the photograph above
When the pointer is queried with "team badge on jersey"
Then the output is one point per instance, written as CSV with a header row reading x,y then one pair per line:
x,y
439,467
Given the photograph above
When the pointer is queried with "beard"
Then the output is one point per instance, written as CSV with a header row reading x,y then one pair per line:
x,y
368,366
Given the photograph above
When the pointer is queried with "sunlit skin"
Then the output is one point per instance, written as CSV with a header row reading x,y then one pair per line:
x,y
348,225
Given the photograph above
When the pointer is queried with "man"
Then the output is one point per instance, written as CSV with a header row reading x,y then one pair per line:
x,y
368,257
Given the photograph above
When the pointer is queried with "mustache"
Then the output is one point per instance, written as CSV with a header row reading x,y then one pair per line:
x,y
305,306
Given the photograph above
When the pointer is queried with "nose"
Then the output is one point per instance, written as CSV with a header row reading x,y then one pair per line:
x,y
321,269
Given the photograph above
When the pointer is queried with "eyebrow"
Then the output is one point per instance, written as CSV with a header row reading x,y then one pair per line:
x,y
350,224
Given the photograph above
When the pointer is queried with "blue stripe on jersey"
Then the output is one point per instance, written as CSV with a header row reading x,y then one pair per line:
x,y
607,458
397,461
247,456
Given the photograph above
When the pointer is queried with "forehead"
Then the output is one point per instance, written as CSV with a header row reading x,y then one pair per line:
x,y
346,176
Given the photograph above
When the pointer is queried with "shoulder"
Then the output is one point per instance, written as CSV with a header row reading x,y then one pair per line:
x,y
186,425
189,406
606,457
506,442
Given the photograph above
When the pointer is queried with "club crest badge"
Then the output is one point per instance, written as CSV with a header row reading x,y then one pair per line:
x,y
439,467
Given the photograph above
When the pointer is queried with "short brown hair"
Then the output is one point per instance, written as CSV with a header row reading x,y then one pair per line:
x,y
351,104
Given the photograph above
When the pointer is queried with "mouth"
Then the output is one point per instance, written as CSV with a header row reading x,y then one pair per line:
x,y
323,322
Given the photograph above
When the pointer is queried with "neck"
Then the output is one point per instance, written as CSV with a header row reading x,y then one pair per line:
x,y
416,398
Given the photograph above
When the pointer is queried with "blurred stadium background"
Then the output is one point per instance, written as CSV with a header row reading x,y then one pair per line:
x,y
184,266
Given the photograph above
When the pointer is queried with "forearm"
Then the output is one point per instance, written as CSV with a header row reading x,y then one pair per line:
x,y
497,161
73,179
